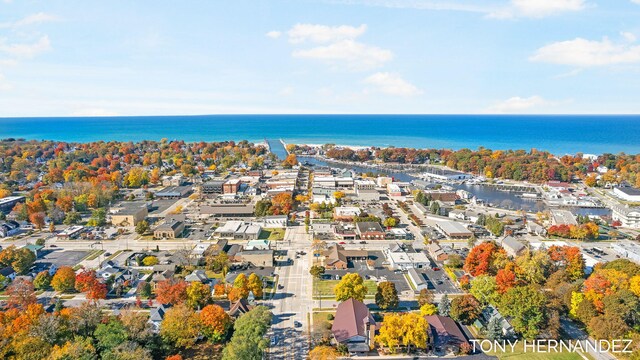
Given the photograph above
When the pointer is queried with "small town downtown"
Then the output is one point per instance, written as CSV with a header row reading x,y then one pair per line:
x,y
618,346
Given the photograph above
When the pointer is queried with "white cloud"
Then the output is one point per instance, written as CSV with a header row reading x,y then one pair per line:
x,y
629,36
94,112
30,20
356,55
635,1
538,8
300,33
391,84
585,53
517,104
443,5
26,50
273,34
286,91
4,85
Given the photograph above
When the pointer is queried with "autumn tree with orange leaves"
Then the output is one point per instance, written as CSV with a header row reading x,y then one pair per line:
x,y
171,291
481,258
215,322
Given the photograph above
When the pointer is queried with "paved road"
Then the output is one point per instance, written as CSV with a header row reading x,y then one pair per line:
x,y
574,332
293,302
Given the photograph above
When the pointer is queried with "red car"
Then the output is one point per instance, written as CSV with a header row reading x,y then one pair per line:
x,y
435,269
342,243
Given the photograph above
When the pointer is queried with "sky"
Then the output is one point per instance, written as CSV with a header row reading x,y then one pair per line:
x,y
161,57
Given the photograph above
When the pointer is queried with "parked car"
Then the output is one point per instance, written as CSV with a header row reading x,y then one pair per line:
x,y
297,323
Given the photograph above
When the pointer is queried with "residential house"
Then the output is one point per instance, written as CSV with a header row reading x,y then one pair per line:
x,y
512,246
354,326
445,336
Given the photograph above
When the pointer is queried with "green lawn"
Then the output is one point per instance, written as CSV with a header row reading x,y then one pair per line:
x,y
94,254
325,288
519,353
272,234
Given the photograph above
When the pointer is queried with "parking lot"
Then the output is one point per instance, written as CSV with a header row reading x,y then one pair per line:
x,y
379,273
439,281
61,258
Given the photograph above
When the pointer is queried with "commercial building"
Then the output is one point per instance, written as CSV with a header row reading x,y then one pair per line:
x,y
336,257
399,258
394,190
417,279
627,193
366,184
175,180
256,257
273,221
369,230
174,192
436,252
228,210
170,229
238,230
129,214
9,228
563,217
368,195
453,229
628,250
212,187
628,216
231,186
71,232
346,212
7,203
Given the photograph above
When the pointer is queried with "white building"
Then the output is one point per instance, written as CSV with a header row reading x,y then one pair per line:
x,y
238,230
628,216
627,193
365,184
563,217
394,190
628,250
346,211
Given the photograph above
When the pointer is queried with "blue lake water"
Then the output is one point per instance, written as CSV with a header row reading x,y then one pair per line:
x,y
558,134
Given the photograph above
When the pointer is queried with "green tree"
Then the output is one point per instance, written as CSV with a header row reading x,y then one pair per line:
x,y
98,217
526,307
42,280
218,262
494,329
71,218
248,341
142,227
316,271
444,306
351,286
387,295
110,335
484,289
